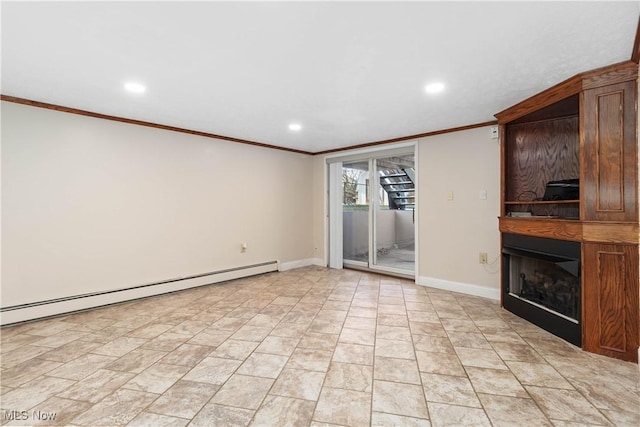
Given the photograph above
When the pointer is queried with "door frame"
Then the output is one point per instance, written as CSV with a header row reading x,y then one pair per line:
x,y
333,235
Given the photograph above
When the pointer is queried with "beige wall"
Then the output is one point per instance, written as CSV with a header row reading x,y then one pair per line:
x,y
91,205
452,233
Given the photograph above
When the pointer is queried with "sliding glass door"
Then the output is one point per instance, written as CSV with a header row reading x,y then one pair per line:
x,y
355,212
393,216
378,221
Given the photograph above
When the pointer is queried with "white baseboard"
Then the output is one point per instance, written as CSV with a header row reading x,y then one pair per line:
x,y
464,288
37,310
290,265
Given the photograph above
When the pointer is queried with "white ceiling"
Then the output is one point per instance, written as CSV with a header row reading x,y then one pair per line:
x,y
349,72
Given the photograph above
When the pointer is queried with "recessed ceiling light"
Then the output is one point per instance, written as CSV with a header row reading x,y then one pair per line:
x,y
295,127
134,87
433,88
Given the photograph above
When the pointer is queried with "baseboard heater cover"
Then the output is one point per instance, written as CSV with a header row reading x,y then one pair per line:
x,y
52,307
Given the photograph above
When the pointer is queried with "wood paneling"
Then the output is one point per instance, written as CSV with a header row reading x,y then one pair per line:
x,y
539,152
611,232
610,300
549,228
609,183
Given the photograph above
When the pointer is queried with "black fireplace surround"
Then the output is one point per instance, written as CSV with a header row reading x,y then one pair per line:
x,y
541,283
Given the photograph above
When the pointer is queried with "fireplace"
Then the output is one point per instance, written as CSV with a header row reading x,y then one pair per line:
x,y
541,283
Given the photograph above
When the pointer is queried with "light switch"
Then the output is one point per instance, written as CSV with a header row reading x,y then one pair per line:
x,y
483,194
450,195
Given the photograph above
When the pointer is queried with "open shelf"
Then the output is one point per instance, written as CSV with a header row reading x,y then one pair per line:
x,y
544,202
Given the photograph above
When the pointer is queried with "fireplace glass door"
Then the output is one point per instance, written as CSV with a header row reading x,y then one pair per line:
x,y
541,283
552,283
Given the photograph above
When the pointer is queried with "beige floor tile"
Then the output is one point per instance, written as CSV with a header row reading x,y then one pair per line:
x,y
505,411
277,345
450,390
33,393
310,359
82,367
427,328
289,330
363,312
59,339
480,358
116,409
146,419
393,333
156,378
361,323
349,376
325,326
222,416
380,419
440,363
299,384
213,370
469,340
242,391
495,381
566,405
399,399
150,331
431,343
283,411
184,399
517,352
429,316
52,412
358,336
538,374
210,337
21,354
167,341
451,415
136,361
119,346
27,371
399,370
282,344
394,348
343,407
187,355
68,352
190,327
251,333
234,349
263,365
97,386
318,341
353,353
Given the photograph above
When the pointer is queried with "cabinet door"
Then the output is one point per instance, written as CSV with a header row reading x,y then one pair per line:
x,y
610,158
610,300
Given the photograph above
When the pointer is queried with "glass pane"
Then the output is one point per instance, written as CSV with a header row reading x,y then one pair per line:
x,y
394,215
355,211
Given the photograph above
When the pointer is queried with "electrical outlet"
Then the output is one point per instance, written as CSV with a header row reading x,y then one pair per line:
x,y
482,259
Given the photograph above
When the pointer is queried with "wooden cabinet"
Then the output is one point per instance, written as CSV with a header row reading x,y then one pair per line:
x,y
585,128
610,153
610,298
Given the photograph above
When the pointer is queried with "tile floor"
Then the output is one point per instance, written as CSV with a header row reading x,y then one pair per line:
x,y
307,347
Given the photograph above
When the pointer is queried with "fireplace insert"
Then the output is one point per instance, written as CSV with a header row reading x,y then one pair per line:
x,y
541,283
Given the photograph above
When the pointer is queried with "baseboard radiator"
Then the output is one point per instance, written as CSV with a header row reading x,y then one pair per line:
x,y
53,307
